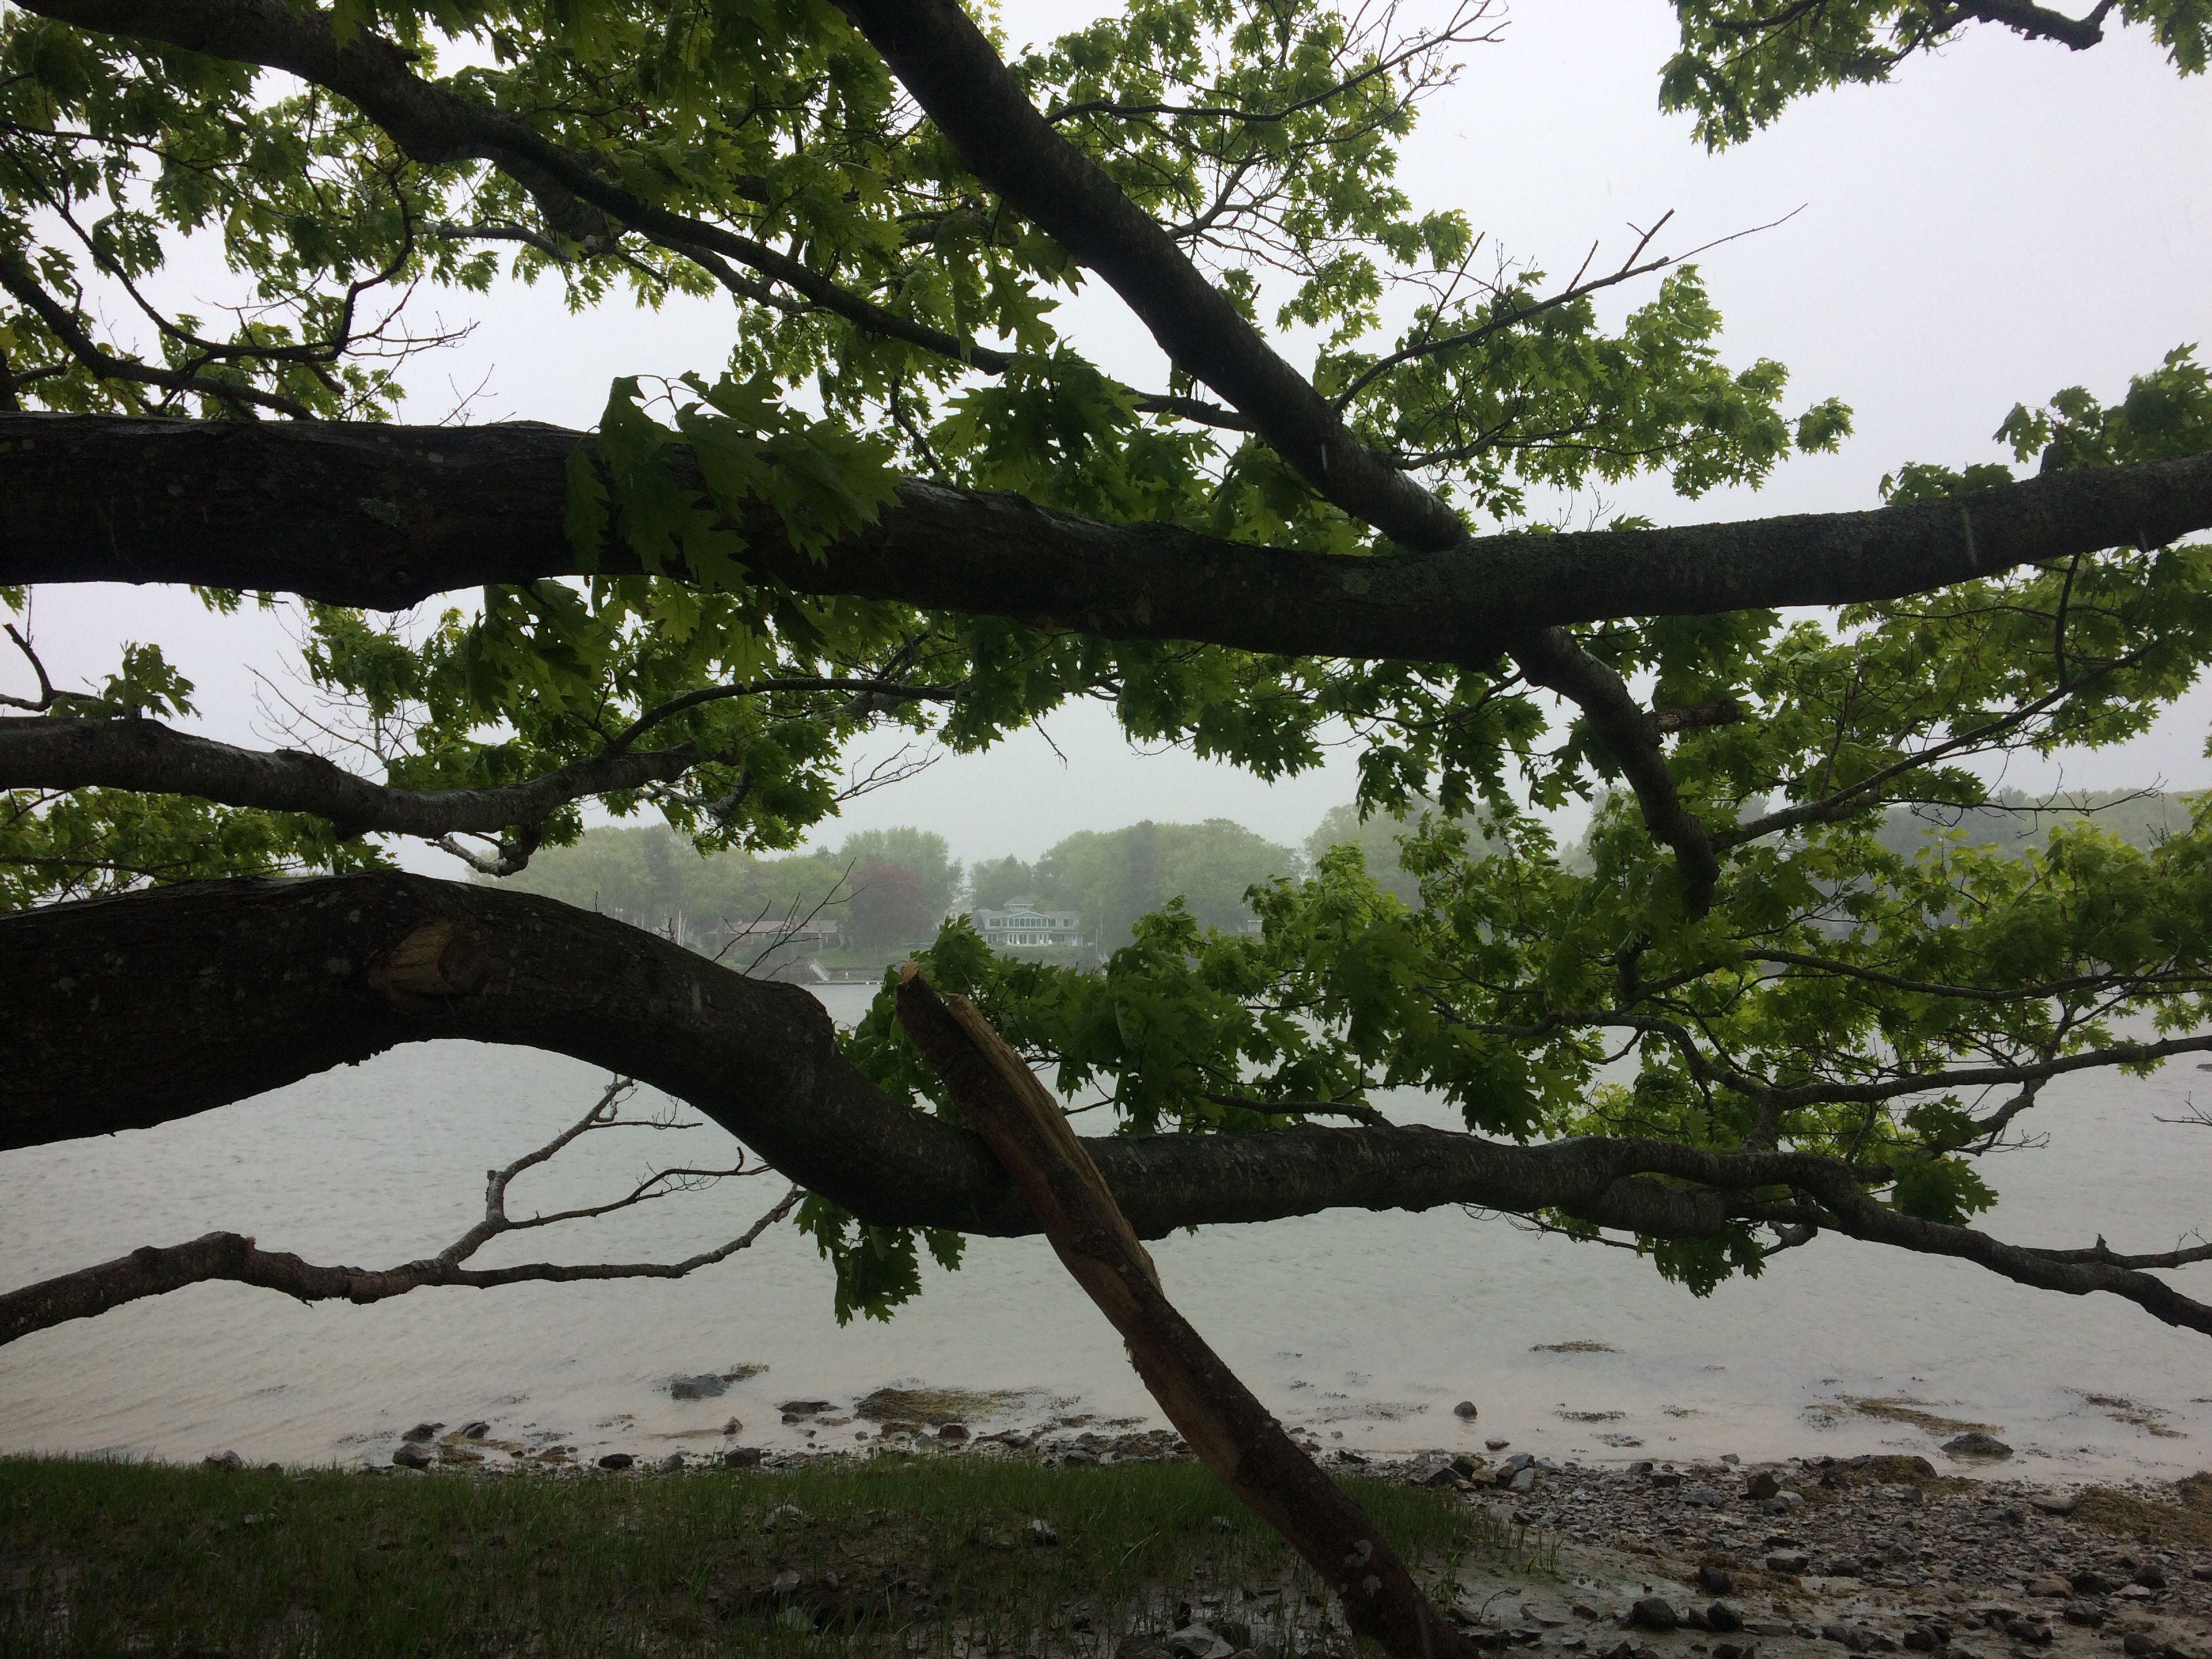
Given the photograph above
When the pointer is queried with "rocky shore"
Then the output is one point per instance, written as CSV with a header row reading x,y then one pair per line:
x,y
1872,1555
1816,1557
1648,1560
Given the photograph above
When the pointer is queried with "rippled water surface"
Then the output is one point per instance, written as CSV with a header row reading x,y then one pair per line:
x,y
1369,1327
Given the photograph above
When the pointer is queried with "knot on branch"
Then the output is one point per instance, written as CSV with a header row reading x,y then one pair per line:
x,y
1721,711
438,959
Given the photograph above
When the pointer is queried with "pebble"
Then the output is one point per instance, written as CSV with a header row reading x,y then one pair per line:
x,y
1497,1445
1761,1486
1716,1580
617,1461
1466,1410
671,1464
742,1457
421,1432
1654,1612
705,1386
413,1455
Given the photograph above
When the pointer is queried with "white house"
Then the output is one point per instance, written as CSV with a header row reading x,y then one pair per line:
x,y
1023,923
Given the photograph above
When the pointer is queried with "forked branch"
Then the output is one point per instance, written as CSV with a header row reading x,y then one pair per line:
x,y
157,1270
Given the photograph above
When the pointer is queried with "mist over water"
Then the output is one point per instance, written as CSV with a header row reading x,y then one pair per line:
x,y
1364,1326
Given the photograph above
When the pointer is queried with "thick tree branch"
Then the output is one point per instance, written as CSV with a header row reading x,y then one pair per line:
x,y
953,72
145,754
128,1011
1236,1436
2100,1253
2034,21
384,516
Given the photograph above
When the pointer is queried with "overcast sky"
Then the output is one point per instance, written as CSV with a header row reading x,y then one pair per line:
x,y
2006,219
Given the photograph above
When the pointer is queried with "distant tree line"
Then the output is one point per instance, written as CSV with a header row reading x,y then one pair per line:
x,y
882,888
887,888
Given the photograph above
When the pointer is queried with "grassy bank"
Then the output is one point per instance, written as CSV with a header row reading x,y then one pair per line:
x,y
935,1557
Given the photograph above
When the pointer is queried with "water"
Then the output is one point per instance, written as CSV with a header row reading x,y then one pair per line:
x,y
1367,1326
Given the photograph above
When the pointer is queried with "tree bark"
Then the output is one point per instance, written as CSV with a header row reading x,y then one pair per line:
x,y
383,517
1236,1436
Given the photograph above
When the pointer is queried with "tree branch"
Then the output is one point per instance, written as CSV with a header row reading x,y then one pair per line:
x,y
1236,1438
18,281
1624,730
131,1011
60,753
1900,1084
2036,22
435,126
155,1271
1579,288
383,516
954,73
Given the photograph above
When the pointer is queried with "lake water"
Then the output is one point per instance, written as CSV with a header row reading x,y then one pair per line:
x,y
1366,1327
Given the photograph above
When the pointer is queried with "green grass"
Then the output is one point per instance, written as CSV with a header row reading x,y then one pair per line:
x,y
929,1557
